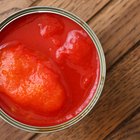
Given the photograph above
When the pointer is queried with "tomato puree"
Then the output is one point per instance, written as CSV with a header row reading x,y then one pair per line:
x,y
49,69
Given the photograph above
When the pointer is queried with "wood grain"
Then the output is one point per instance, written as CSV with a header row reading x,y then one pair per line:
x,y
76,6
8,132
118,28
8,7
120,98
117,25
129,131
82,8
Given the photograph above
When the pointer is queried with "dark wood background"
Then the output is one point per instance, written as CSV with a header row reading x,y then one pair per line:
x,y
116,116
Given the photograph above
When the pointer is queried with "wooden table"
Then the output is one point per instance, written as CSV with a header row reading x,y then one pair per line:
x,y
116,116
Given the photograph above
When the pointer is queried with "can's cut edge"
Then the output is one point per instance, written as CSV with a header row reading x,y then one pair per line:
x,y
84,25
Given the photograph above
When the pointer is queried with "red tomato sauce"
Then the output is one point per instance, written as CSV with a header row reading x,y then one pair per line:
x,y
49,69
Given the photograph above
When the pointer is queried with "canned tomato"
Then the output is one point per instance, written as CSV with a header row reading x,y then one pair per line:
x,y
52,69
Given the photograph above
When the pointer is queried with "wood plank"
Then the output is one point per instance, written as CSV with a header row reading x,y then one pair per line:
x,y
118,28
82,8
108,30
8,7
8,132
130,131
120,98
78,7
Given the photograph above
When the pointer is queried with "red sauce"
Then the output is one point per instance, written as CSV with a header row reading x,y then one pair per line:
x,y
49,69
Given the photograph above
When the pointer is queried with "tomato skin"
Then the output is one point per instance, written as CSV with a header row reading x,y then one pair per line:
x,y
27,80
49,26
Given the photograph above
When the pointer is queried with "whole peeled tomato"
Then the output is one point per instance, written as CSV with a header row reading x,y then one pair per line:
x,y
28,80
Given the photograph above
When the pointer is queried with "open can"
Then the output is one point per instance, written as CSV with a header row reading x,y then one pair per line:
x,y
98,91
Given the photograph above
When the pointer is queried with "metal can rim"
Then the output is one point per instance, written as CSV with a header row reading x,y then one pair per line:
x,y
87,109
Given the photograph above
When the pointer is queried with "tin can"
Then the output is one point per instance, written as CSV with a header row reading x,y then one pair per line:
x,y
98,91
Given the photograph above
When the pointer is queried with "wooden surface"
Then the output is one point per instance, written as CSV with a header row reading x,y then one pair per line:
x,y
116,116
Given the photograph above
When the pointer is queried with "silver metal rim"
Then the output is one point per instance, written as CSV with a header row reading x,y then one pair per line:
x,y
99,89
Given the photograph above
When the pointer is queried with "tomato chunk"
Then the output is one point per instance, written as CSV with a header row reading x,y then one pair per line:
x,y
76,49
